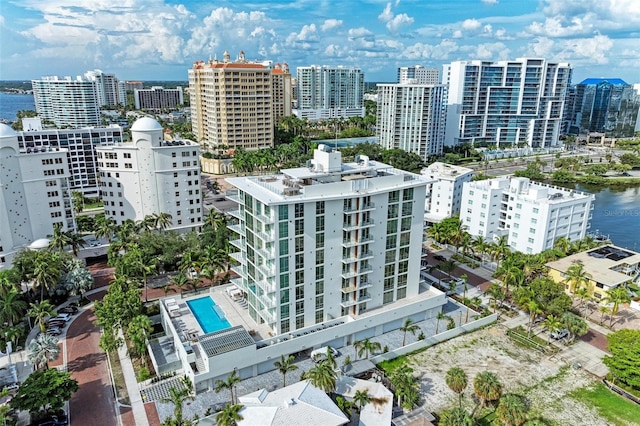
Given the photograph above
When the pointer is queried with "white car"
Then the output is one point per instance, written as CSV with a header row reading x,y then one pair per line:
x,y
61,317
559,334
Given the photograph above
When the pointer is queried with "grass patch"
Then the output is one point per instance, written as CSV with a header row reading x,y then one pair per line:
x,y
389,366
118,378
609,405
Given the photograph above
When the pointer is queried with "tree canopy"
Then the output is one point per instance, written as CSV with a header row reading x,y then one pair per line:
x,y
624,362
44,390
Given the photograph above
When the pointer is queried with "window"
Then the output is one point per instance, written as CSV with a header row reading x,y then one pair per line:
x,y
319,257
532,230
536,210
284,297
283,212
320,207
284,311
299,210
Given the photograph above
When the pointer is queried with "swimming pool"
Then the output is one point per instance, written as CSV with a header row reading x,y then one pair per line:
x,y
208,314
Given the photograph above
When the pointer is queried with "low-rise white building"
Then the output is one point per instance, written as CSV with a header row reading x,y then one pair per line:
x,y
35,194
444,193
531,215
151,176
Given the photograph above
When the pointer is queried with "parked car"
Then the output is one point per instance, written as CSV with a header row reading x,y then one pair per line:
x,y
54,331
11,386
72,310
559,334
61,317
439,257
321,353
58,419
56,323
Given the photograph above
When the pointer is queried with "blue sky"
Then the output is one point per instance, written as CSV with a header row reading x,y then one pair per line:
x,y
160,39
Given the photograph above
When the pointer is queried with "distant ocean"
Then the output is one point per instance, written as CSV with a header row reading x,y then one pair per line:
x,y
10,104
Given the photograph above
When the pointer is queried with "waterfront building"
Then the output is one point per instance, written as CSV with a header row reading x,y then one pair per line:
x,y
506,103
35,194
111,92
328,254
80,145
326,92
531,215
411,117
444,192
236,103
67,102
419,75
605,105
605,267
158,98
150,176
131,86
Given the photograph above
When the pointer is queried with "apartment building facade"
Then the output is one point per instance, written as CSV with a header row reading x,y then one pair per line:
x,y
326,92
80,145
236,103
158,98
418,74
506,103
444,192
151,176
531,215
67,102
411,117
111,91
35,194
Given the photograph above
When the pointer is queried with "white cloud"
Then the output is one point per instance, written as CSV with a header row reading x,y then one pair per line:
x,y
359,32
330,24
490,2
457,34
441,51
542,47
596,49
395,22
555,27
471,24
306,34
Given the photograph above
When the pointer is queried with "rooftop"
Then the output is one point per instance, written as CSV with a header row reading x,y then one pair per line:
x,y
609,265
445,171
614,81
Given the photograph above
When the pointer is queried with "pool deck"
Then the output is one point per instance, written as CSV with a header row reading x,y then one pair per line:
x,y
235,312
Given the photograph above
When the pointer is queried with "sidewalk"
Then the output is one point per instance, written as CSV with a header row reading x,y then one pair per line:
x,y
135,399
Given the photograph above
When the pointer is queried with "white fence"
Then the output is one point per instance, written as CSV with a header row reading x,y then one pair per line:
x,y
438,338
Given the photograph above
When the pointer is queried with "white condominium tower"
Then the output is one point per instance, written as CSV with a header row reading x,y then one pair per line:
x,y
111,92
531,215
411,117
80,145
158,98
329,92
35,195
236,103
506,103
151,176
444,193
67,102
418,74
330,240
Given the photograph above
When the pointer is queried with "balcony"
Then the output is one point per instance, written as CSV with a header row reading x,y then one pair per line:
x,y
351,274
238,229
362,256
347,303
238,256
235,213
239,270
351,243
364,297
264,219
234,195
264,236
350,289
236,243
362,224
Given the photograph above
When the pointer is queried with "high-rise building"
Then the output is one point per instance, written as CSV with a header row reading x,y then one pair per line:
x,y
605,105
329,92
150,176
444,192
331,240
158,98
80,145
531,215
111,92
232,103
282,89
412,117
506,103
66,102
418,74
35,194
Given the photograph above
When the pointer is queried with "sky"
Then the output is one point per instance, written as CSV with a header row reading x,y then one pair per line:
x,y
161,39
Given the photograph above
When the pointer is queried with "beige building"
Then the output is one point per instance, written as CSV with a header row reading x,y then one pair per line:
x,y
236,104
607,267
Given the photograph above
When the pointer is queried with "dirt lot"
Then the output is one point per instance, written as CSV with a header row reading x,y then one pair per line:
x,y
541,379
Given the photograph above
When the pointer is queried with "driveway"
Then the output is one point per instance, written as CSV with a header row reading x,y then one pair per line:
x,y
93,403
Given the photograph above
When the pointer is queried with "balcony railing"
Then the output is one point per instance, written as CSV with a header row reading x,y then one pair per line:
x,y
234,195
239,229
235,213
351,243
362,256
351,274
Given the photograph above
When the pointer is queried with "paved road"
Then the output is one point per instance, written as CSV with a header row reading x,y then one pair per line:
x,y
94,402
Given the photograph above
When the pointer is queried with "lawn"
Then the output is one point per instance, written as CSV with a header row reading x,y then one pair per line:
x,y
612,407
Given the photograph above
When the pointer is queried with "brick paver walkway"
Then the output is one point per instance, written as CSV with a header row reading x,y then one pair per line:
x,y
93,403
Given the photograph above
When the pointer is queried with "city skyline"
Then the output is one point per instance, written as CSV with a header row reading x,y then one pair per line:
x,y
160,40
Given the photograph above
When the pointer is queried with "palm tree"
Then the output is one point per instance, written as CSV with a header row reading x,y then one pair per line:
x,y
361,398
575,325
284,366
512,410
534,309
46,271
616,296
448,266
456,417
441,315
501,248
563,244
232,380
495,293
177,396
604,310
366,347
162,220
41,311
230,415
487,387
406,386
180,280
552,323
576,276
322,376
410,327
12,307
104,227
42,350
59,238
457,381
480,246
